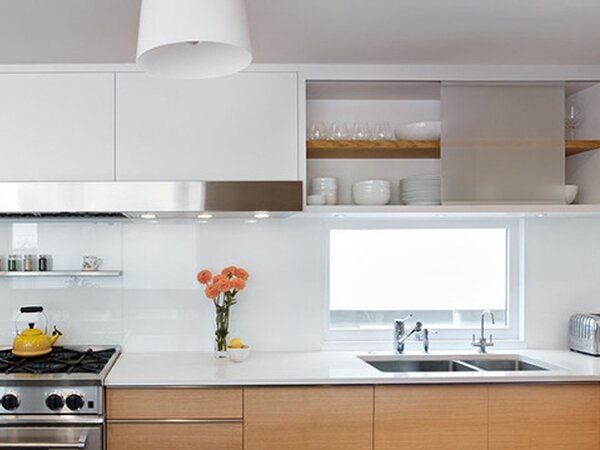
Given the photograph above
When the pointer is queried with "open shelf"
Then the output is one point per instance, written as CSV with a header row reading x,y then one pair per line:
x,y
457,211
62,273
322,149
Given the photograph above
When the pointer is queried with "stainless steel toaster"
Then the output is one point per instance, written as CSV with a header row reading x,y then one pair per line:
x,y
584,333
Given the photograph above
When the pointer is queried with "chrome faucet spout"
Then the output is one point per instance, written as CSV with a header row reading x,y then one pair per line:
x,y
482,343
401,335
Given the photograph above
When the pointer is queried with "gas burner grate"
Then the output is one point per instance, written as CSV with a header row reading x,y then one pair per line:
x,y
60,360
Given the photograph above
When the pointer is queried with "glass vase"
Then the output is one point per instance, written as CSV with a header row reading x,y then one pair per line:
x,y
222,310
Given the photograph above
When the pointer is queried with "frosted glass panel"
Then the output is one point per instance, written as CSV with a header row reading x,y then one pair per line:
x,y
503,143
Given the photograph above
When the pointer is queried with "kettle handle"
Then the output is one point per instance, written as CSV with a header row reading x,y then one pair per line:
x,y
31,309
28,310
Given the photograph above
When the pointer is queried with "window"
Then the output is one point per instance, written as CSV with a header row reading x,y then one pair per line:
x,y
444,276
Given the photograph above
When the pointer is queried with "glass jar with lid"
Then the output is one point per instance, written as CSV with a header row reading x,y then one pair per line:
x,y
13,263
28,263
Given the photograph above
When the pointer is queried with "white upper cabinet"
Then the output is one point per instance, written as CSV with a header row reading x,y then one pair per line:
x,y
56,126
241,127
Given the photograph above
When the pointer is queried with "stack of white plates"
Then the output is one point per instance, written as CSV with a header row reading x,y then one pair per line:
x,y
325,186
421,190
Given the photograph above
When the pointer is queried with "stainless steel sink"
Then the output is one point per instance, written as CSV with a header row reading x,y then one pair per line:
x,y
502,364
400,364
420,365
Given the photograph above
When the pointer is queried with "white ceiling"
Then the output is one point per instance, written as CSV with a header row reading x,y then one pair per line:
x,y
326,31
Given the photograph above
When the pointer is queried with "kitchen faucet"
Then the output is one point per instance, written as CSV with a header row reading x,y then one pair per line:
x,y
401,335
482,342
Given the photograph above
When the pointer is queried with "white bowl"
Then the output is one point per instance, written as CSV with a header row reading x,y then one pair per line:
x,y
419,131
371,192
571,191
238,354
316,199
373,184
325,182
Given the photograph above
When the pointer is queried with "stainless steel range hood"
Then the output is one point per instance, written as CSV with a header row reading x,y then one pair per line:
x,y
181,199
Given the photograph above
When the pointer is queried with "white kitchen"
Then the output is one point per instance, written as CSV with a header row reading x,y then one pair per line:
x,y
315,225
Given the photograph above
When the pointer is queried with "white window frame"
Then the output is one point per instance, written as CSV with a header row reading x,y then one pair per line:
x,y
515,262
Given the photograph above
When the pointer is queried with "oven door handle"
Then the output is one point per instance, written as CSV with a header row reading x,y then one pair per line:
x,y
81,443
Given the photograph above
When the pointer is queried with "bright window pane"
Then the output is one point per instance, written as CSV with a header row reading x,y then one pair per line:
x,y
441,272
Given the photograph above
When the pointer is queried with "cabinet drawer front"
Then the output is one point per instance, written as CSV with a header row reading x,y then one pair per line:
x,y
174,403
157,436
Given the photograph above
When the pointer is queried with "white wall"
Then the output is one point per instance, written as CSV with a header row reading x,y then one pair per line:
x,y
157,304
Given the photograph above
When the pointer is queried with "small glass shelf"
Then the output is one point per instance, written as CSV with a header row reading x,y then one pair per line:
x,y
62,273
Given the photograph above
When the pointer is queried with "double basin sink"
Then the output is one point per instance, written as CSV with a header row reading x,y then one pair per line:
x,y
398,364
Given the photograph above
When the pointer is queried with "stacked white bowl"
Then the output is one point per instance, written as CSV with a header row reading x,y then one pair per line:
x,y
371,192
421,190
326,186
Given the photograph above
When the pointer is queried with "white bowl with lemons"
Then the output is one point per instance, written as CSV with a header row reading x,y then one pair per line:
x,y
237,350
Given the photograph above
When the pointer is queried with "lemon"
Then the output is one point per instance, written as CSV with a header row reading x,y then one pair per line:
x,y
236,343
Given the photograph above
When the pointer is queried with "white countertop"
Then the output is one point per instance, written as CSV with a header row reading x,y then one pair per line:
x,y
306,368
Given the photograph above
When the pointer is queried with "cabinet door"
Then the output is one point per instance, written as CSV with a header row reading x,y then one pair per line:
x,y
242,127
175,436
308,418
544,417
431,417
57,127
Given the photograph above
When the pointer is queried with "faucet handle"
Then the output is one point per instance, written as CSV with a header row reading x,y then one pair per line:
x,y
491,341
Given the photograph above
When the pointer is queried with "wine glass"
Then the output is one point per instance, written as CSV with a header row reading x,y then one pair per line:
x,y
361,131
382,131
316,131
573,119
338,131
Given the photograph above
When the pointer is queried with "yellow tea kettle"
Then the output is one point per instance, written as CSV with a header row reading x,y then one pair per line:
x,y
32,341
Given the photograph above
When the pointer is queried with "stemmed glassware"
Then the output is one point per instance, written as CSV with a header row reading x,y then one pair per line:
x,y
573,118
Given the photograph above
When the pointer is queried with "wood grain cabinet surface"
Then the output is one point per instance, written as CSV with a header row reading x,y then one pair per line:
x,y
431,417
174,436
174,403
174,419
308,418
544,417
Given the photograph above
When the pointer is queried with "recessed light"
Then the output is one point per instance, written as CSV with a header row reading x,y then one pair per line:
x,y
250,221
261,215
205,216
148,216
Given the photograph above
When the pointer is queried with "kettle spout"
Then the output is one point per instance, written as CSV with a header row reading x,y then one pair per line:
x,y
55,335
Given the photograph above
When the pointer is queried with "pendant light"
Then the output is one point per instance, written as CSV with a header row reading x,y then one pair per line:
x,y
192,39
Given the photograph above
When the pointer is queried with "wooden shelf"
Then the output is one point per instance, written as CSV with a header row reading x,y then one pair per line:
x,y
62,273
404,149
373,149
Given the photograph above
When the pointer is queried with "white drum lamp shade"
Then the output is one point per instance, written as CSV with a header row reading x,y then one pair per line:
x,y
192,39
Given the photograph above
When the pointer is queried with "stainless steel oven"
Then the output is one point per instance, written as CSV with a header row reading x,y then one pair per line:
x,y
55,401
51,436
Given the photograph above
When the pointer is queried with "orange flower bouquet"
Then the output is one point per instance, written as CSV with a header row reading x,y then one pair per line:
x,y
222,290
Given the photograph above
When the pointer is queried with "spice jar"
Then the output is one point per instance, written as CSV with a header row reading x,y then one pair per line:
x,y
28,263
43,263
13,263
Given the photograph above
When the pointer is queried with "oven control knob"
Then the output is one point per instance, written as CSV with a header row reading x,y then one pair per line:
x,y
75,402
55,402
10,402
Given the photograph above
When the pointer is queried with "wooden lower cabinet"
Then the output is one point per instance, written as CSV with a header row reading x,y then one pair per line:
x,y
431,417
174,436
308,418
544,417
383,417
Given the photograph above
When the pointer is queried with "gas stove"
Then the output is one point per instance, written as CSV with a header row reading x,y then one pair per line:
x,y
65,381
